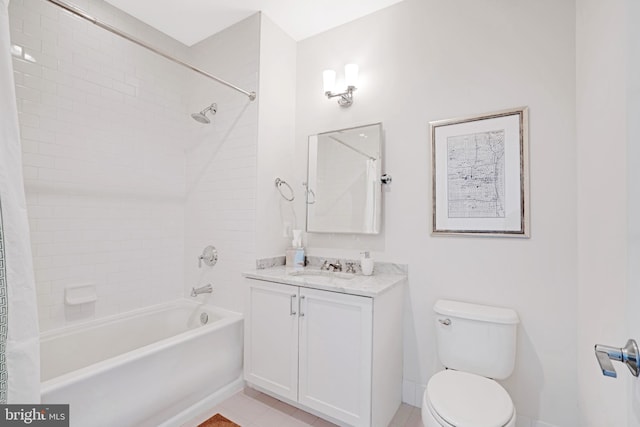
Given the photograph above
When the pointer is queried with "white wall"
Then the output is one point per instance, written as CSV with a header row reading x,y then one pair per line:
x,y
102,123
232,164
428,60
633,190
607,153
222,164
276,130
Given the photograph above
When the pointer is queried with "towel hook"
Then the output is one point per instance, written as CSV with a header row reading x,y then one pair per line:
x,y
279,184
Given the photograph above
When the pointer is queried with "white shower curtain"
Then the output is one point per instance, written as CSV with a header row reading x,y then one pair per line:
x,y
372,182
19,347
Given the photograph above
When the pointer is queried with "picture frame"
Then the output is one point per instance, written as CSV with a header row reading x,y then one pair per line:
x,y
480,174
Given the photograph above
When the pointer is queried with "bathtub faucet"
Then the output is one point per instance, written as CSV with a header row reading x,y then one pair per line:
x,y
208,289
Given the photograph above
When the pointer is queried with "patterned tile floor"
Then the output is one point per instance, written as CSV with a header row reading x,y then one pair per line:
x,y
250,408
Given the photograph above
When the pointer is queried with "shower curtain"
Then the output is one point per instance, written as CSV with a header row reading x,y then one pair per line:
x,y
372,182
19,346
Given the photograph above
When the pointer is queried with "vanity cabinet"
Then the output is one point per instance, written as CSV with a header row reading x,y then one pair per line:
x,y
271,338
334,354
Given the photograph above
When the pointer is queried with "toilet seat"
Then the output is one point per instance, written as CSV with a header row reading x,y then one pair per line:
x,y
460,399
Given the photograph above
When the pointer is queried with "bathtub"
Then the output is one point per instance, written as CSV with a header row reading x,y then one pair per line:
x,y
157,366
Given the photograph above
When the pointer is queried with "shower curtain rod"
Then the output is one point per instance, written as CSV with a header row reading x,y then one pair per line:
x,y
352,147
82,14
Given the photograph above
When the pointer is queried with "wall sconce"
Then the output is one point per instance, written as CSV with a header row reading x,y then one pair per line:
x,y
350,78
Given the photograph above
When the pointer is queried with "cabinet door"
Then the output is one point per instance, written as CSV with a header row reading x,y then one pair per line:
x,y
335,355
271,338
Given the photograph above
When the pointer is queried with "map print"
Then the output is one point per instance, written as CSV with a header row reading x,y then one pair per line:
x,y
475,175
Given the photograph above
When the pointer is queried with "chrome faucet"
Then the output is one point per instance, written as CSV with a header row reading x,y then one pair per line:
x,y
331,267
351,267
208,289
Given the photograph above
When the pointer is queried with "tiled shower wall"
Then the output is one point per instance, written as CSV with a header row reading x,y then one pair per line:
x,y
124,190
104,125
221,165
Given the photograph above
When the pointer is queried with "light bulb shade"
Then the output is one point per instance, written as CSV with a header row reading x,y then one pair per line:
x,y
329,80
351,74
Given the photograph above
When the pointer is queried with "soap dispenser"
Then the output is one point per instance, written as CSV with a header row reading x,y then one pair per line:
x,y
295,254
366,263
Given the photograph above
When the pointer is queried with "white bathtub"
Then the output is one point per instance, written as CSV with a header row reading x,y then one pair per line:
x,y
151,367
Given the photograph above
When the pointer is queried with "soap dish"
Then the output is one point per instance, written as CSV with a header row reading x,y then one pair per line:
x,y
80,294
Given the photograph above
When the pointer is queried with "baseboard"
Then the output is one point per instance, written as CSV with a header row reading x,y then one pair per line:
x,y
412,393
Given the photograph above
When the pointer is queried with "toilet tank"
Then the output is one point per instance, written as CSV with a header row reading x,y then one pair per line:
x,y
474,338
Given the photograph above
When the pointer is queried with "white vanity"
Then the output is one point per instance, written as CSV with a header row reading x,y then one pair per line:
x,y
327,343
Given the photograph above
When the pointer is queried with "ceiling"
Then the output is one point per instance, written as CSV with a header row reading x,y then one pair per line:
x,y
190,21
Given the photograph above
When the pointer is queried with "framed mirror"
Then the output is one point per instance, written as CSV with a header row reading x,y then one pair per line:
x,y
343,181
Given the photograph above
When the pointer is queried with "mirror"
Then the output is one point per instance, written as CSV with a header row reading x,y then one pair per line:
x,y
343,181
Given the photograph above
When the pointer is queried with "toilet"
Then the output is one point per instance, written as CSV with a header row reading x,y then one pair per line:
x,y
477,345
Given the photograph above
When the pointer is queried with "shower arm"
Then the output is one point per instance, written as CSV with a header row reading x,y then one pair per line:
x,y
82,14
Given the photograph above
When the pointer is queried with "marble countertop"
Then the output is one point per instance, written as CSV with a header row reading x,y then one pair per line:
x,y
348,283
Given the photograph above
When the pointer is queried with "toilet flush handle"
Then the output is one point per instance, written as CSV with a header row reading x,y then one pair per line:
x,y
445,322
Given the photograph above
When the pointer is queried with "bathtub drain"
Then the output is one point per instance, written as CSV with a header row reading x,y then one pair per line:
x,y
204,318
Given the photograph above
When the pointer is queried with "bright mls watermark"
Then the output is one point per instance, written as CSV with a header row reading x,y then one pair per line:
x,y
34,415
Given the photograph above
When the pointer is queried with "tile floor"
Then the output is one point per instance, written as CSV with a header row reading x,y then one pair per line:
x,y
250,408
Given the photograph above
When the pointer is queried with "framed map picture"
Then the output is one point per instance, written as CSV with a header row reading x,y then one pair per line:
x,y
480,174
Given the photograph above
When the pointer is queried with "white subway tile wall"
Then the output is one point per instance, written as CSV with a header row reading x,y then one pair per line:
x,y
222,165
105,125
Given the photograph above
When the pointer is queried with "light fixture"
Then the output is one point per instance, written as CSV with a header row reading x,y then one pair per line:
x,y
350,79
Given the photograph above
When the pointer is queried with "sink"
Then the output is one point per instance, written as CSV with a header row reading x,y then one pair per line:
x,y
322,273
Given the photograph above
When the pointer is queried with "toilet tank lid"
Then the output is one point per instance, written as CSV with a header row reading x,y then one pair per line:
x,y
484,313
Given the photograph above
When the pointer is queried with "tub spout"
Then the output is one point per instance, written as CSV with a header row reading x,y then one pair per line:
x,y
208,289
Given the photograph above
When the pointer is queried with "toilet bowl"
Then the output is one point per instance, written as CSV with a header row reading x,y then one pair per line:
x,y
460,399
477,345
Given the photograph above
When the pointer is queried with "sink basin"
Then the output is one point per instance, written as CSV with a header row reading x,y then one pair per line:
x,y
322,273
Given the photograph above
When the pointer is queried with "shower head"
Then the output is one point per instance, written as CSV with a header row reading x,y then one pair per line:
x,y
201,117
